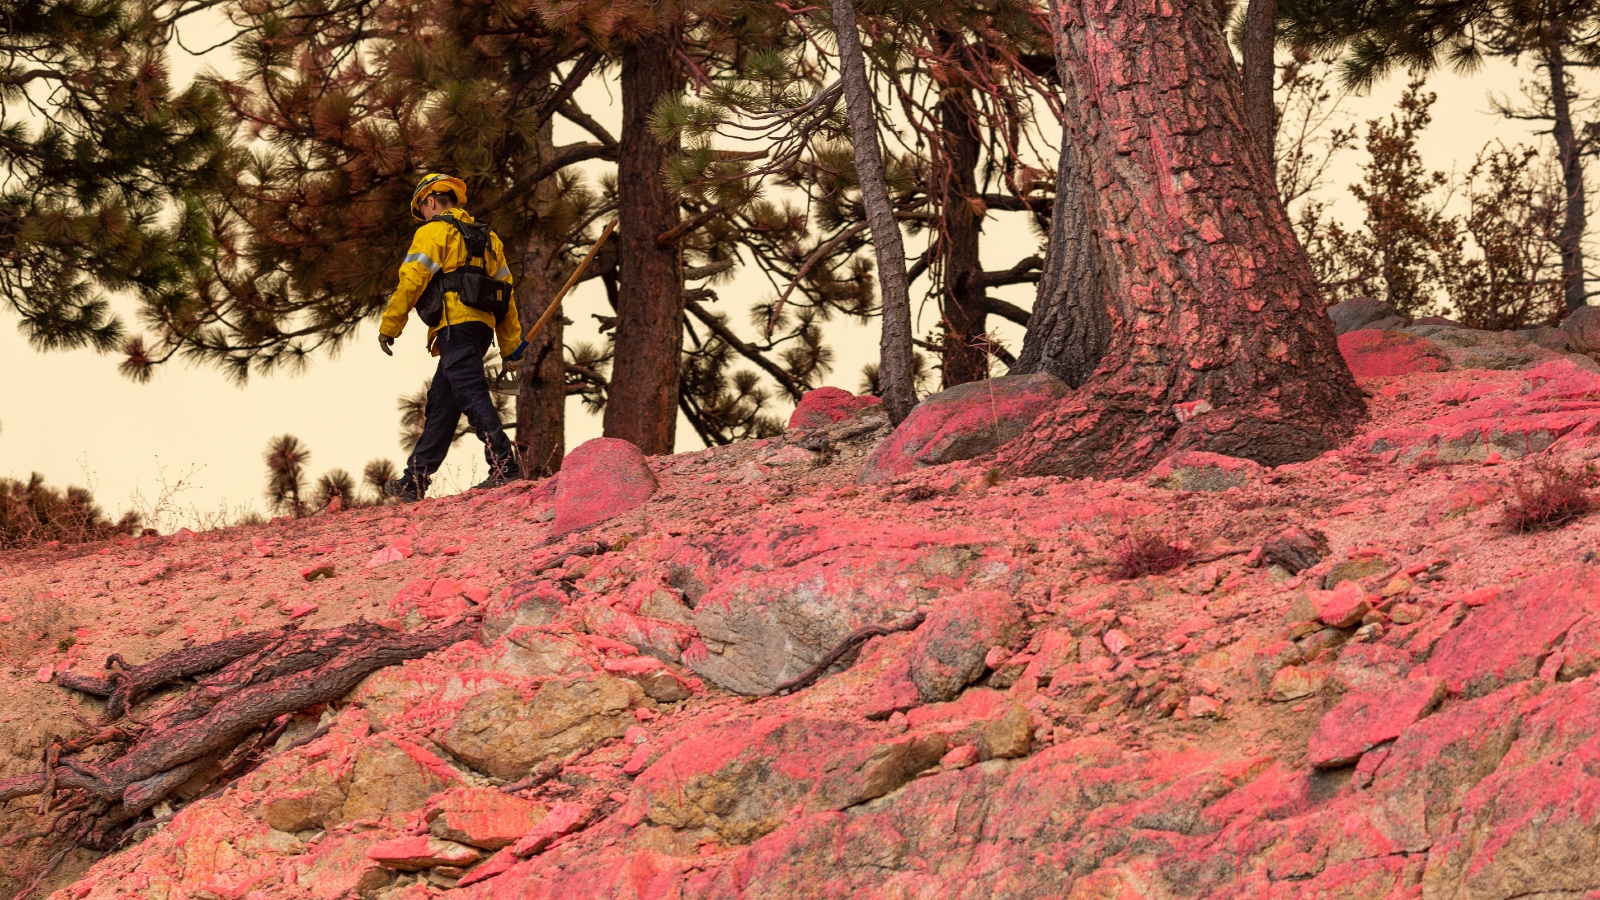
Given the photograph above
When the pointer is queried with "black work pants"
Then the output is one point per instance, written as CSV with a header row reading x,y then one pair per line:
x,y
459,387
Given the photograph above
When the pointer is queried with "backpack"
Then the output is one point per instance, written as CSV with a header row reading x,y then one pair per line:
x,y
471,282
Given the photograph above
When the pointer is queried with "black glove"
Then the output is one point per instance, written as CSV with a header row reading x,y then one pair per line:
x,y
385,342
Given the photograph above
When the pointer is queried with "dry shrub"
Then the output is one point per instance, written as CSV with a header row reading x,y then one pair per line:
x,y
32,513
1139,551
1544,495
31,621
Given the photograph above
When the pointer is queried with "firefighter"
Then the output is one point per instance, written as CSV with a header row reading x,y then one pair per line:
x,y
456,279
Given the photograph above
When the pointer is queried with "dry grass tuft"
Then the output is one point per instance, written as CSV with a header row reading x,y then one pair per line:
x,y
1544,496
1139,551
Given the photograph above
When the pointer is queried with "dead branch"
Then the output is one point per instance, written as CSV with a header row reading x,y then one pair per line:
x,y
125,685
851,641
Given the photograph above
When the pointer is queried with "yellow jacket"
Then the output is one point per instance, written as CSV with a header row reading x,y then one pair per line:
x,y
438,247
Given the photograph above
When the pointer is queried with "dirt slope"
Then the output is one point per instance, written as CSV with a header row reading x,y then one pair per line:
x,y
1231,729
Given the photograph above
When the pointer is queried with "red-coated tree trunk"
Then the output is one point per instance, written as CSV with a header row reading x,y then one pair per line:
x,y
642,401
1212,298
963,305
541,380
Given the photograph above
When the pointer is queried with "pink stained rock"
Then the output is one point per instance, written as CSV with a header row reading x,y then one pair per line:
x,y
746,778
953,644
1342,607
827,405
428,599
564,818
1506,638
959,758
1385,354
1194,470
417,852
602,479
1365,719
482,817
965,421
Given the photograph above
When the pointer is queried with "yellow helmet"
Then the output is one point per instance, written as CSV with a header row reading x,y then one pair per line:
x,y
434,183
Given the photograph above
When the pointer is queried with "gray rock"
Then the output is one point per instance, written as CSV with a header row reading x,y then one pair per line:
x,y
1359,313
1548,337
953,644
1583,328
1469,348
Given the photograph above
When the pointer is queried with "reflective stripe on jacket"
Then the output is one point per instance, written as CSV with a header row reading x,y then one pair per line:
x,y
438,247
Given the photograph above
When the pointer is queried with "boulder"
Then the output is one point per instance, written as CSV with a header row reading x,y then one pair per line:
x,y
965,421
1582,326
506,734
1365,719
482,817
1507,639
785,596
954,642
745,778
1360,313
1194,470
390,777
827,405
1548,337
1470,348
602,479
1385,354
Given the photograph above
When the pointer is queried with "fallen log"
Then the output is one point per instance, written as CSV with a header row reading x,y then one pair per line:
x,y
126,684
229,717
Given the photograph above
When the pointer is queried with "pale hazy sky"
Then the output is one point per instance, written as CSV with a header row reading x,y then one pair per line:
x,y
71,417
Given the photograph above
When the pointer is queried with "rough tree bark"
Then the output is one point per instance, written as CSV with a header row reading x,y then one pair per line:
x,y
894,345
1260,41
1213,298
1570,236
1070,326
964,306
642,404
542,377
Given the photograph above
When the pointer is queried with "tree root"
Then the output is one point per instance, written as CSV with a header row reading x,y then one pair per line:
x,y
223,725
852,641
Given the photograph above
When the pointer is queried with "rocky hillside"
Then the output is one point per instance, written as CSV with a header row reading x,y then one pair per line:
x,y
1349,678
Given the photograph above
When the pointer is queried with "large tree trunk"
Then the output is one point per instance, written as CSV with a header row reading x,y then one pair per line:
x,y
541,380
1213,298
964,306
1260,40
894,346
1570,236
642,403
1070,326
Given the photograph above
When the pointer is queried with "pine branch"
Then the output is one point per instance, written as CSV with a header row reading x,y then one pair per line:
x,y
795,388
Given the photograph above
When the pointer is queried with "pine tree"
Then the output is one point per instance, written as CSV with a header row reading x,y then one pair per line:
x,y
286,460
1558,35
105,163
